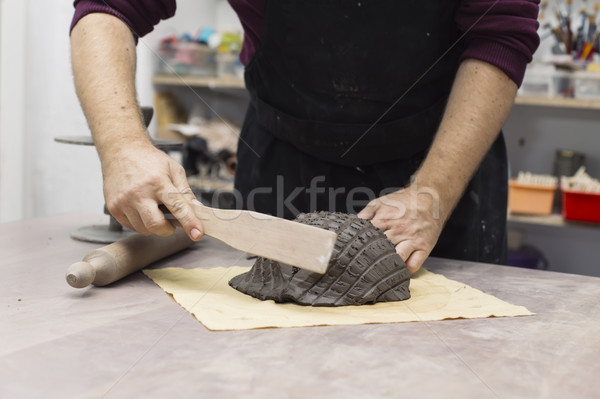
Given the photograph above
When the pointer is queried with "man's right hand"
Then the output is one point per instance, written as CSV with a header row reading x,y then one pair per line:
x,y
138,179
137,176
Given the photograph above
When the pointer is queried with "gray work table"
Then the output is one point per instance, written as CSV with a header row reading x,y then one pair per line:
x,y
131,340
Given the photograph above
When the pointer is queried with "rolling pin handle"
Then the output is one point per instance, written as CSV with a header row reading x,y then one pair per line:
x,y
80,274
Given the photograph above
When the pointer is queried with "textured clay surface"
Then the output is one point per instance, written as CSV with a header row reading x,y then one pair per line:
x,y
364,269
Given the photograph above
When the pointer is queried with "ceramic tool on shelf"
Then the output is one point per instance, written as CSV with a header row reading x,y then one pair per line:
x,y
286,241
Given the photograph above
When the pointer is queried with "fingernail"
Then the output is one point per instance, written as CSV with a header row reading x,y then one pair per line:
x,y
195,234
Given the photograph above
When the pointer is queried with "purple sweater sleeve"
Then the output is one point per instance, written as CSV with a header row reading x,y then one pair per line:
x,y
500,32
140,15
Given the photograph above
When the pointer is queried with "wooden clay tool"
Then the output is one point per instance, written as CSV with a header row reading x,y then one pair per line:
x,y
286,241
121,258
296,244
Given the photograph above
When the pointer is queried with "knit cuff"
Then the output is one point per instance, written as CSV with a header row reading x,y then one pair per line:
x,y
512,62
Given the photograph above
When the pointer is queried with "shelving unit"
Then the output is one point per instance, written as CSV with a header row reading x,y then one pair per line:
x,y
554,220
196,81
535,129
561,102
233,83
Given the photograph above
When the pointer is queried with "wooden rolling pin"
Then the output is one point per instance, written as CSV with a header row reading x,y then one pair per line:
x,y
119,259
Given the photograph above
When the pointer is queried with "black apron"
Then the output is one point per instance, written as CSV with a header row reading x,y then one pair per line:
x,y
346,97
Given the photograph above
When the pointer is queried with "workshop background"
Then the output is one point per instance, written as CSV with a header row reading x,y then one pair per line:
x,y
557,109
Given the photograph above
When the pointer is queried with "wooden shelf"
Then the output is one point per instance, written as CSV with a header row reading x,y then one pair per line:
x,y
210,82
554,220
233,83
562,102
549,220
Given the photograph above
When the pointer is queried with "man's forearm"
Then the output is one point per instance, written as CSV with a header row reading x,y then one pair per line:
x,y
480,101
137,176
104,61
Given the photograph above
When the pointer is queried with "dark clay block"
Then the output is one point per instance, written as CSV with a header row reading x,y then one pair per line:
x,y
364,269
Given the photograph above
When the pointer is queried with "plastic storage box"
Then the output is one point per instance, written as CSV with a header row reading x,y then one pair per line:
x,y
186,58
587,85
579,206
530,199
229,67
545,81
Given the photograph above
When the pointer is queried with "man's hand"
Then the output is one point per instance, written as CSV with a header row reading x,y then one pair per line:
x,y
137,180
410,218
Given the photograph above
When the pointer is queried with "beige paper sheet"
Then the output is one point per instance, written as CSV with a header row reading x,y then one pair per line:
x,y
206,294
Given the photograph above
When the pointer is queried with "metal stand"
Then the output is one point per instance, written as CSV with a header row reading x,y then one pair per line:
x,y
103,234
114,231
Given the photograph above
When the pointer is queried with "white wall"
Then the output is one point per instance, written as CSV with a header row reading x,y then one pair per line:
x,y
38,176
12,80
63,177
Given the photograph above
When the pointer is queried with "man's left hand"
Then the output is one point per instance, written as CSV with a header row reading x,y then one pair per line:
x,y
411,220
